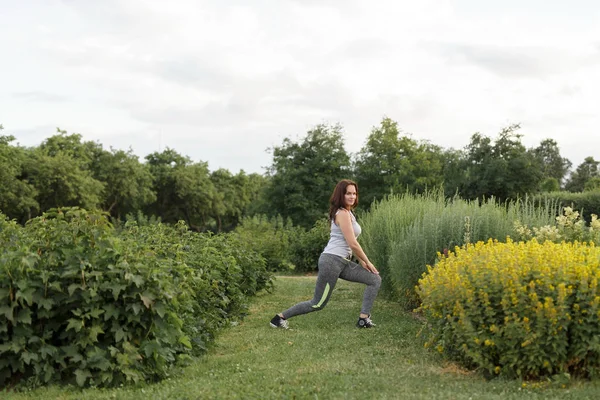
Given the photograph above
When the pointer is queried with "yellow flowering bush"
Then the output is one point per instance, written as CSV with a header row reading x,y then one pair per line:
x,y
525,309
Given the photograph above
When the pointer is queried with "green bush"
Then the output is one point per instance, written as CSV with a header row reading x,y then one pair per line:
x,y
586,203
80,303
270,237
307,246
403,234
517,309
229,271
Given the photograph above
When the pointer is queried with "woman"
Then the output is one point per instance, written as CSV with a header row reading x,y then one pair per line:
x,y
335,262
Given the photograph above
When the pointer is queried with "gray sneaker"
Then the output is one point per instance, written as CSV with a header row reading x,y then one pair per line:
x,y
278,322
365,323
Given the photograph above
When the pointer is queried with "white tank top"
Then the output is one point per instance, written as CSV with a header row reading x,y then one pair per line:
x,y
337,243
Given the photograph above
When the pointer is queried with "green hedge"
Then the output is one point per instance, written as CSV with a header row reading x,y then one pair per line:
x,y
587,203
82,303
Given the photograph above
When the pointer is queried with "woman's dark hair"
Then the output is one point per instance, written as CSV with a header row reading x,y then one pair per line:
x,y
337,197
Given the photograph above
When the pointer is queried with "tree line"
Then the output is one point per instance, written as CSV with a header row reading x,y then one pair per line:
x,y
64,170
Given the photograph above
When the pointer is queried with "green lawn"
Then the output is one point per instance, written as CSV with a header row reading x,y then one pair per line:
x,y
322,356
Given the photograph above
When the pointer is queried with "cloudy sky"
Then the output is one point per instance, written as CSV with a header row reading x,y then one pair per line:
x,y
223,80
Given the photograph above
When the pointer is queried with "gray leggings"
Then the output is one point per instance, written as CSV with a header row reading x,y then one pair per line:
x,y
332,267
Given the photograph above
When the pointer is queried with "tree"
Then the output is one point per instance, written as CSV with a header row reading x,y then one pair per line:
x,y
592,184
60,170
183,189
503,169
17,196
303,174
453,170
587,170
550,184
392,162
61,182
553,164
128,183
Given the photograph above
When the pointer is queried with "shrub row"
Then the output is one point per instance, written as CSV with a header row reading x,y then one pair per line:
x,y
517,309
81,302
586,203
285,247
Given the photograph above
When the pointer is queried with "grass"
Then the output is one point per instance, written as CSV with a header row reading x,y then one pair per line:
x,y
323,356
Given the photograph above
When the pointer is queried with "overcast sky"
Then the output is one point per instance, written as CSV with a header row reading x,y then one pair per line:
x,y
221,81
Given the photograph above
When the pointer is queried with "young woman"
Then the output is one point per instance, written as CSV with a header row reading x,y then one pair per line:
x,y
335,262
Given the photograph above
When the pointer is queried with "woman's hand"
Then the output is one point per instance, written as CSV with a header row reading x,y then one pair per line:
x,y
369,267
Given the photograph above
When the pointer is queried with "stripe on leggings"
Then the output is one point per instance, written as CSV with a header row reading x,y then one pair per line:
x,y
325,293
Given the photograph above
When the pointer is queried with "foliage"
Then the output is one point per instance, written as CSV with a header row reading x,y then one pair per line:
x,y
554,166
393,163
17,197
517,309
307,245
304,174
61,180
585,171
586,203
549,185
81,304
270,237
128,183
503,169
403,234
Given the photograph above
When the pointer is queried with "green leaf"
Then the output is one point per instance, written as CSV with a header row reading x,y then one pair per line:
x,y
81,376
136,308
24,316
73,287
116,289
151,348
48,350
138,280
46,303
27,357
94,332
26,294
111,312
4,293
147,299
184,340
96,312
8,312
48,373
33,339
119,335
159,307
75,324
28,262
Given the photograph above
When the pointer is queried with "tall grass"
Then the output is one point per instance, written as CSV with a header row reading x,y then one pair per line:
x,y
403,233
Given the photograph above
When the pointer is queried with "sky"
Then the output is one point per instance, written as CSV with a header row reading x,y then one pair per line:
x,y
224,81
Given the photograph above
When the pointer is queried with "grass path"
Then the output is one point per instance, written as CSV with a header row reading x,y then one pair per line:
x,y
323,356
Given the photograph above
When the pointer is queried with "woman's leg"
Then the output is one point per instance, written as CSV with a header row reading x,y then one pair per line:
x,y
330,267
356,273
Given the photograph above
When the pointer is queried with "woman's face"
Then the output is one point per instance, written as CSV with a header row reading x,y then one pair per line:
x,y
350,196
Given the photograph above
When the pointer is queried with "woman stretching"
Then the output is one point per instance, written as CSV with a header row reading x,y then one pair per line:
x,y
335,262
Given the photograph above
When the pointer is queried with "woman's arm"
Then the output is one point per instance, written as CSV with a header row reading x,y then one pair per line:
x,y
344,221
